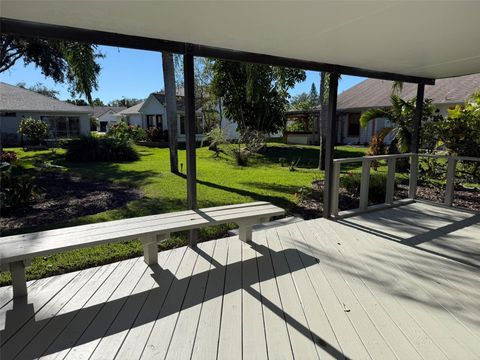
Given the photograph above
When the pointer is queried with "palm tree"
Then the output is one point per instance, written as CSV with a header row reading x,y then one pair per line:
x,y
171,103
401,114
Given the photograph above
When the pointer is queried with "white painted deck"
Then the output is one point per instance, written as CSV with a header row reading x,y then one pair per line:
x,y
402,283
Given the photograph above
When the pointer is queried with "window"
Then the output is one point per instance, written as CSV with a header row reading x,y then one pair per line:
x,y
8,114
198,124
155,121
63,126
353,125
103,126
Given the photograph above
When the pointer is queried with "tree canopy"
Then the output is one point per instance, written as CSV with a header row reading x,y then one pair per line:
x,y
127,102
68,62
255,96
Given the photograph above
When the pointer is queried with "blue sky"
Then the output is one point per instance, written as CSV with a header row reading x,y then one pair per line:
x,y
134,74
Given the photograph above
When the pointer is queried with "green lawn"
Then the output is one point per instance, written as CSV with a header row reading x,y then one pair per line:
x,y
220,182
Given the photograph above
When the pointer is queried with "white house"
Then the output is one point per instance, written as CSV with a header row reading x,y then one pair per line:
x,y
106,116
152,113
65,120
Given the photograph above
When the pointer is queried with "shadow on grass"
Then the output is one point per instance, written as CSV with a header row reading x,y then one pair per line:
x,y
307,157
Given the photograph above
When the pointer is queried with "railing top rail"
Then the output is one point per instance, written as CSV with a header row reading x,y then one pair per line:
x,y
460,158
373,157
398,156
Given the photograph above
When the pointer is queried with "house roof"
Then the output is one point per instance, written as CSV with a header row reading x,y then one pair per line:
x,y
420,38
376,93
14,98
135,109
160,96
100,110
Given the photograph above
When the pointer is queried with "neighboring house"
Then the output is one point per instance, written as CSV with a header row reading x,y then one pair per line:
x,y
373,93
64,120
152,113
106,115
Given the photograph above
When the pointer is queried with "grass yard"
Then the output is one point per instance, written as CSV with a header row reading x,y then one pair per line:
x,y
220,182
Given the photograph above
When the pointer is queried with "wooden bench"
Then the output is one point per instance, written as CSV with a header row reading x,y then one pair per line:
x,y
17,251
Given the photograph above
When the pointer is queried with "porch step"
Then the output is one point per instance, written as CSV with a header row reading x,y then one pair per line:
x,y
271,224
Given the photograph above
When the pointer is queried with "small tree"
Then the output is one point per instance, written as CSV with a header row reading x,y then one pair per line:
x,y
35,130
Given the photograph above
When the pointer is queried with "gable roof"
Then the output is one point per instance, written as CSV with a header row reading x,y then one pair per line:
x,y
160,97
14,98
100,110
376,93
135,109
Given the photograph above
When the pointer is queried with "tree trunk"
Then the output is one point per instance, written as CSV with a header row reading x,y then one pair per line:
x,y
322,118
171,105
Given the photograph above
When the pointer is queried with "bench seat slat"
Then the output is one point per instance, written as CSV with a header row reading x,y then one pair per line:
x,y
20,247
138,221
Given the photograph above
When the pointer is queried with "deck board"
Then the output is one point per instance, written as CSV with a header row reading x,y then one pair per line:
x,y
401,283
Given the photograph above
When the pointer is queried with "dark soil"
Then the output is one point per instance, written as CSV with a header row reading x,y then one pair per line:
x,y
65,196
312,206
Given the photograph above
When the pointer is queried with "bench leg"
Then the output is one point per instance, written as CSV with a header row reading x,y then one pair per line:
x,y
19,281
245,232
150,247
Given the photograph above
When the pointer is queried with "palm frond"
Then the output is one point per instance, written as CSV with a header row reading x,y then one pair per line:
x,y
373,113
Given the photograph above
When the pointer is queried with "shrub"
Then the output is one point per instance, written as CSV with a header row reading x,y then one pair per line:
x,y
35,130
16,189
376,189
154,134
240,156
122,132
100,149
216,137
8,156
377,146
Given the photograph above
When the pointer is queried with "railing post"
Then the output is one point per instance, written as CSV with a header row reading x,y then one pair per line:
x,y
412,189
390,180
451,167
364,184
335,187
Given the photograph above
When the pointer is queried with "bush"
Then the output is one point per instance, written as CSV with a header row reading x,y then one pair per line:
x,y
216,137
240,156
376,189
122,132
8,156
17,189
35,130
100,149
154,134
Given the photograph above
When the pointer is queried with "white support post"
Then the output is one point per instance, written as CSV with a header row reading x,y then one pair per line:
x,y
150,247
364,184
335,187
412,188
451,167
19,280
245,232
390,181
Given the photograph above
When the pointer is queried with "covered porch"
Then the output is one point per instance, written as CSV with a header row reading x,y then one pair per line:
x,y
401,283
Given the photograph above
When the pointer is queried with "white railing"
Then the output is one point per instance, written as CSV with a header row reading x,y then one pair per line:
x,y
390,185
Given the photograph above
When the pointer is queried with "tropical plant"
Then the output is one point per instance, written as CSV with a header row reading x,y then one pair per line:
x,y
34,129
69,62
94,123
16,189
402,115
377,145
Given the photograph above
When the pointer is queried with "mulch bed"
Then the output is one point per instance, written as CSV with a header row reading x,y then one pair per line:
x,y
312,207
65,196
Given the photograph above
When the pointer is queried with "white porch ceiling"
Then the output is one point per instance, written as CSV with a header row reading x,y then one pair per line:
x,y
432,39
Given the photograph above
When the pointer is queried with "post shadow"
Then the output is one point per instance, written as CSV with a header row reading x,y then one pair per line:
x,y
165,278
